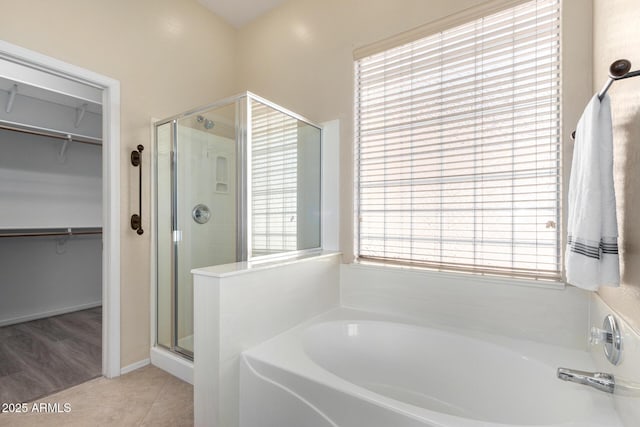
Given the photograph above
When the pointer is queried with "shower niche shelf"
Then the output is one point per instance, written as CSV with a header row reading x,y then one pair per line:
x,y
222,175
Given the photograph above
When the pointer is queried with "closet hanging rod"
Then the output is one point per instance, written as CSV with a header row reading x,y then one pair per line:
x,y
618,70
68,232
50,134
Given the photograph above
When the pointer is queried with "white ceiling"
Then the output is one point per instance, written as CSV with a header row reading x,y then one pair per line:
x,y
240,12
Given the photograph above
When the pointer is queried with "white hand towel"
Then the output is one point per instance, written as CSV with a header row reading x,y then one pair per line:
x,y
591,257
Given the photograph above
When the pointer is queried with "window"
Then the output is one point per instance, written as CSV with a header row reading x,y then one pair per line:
x,y
274,180
458,147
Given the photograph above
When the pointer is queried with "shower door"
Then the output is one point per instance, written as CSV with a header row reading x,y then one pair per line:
x,y
236,181
198,226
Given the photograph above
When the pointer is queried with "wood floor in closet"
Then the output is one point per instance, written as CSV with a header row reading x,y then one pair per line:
x,y
44,356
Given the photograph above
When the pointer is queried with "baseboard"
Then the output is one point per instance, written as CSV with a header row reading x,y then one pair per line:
x,y
172,363
42,315
134,366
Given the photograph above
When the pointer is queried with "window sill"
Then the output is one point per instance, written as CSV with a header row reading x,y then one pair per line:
x,y
471,278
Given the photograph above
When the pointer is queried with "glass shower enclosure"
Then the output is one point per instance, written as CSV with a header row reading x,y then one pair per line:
x,y
237,180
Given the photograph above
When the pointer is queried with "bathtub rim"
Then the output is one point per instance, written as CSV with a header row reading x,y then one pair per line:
x,y
303,366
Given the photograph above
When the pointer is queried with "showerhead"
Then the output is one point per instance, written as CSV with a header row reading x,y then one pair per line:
x,y
208,124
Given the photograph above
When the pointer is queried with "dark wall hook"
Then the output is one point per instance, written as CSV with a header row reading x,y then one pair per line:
x,y
136,160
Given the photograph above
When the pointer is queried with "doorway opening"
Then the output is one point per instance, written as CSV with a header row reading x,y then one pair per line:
x,y
60,222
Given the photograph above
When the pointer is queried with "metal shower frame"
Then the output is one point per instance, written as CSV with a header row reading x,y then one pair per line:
x,y
243,132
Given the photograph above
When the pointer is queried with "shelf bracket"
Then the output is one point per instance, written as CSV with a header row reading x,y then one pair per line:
x,y
61,242
12,98
62,154
80,113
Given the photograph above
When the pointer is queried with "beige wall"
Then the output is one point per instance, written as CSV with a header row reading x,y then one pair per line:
x,y
301,56
616,35
169,55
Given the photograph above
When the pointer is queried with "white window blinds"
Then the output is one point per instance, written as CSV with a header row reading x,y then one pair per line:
x,y
458,147
274,180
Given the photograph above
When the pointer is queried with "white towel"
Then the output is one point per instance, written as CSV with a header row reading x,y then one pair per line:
x,y
591,257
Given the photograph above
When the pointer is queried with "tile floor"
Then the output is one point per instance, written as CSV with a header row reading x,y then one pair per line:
x,y
145,397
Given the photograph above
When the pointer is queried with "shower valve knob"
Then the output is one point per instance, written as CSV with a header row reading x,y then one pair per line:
x,y
597,336
610,337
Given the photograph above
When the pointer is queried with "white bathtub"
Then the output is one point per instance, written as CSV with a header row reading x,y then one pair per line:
x,y
355,369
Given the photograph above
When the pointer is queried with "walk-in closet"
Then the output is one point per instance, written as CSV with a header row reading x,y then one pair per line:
x,y
50,234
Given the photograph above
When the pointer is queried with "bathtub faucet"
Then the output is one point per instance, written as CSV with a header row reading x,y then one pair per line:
x,y
598,380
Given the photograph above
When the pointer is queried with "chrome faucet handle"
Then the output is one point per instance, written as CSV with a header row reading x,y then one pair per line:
x,y
597,336
611,338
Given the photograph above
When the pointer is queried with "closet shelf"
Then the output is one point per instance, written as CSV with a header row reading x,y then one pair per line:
x,y
50,232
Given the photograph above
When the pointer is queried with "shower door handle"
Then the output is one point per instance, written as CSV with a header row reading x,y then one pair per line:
x,y
136,219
